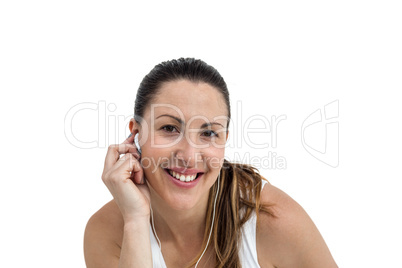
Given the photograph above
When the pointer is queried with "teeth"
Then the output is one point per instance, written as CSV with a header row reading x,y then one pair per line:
x,y
182,177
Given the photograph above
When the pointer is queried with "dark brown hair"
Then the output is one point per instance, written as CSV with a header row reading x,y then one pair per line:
x,y
240,184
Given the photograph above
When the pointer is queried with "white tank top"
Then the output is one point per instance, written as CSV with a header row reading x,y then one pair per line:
x,y
247,247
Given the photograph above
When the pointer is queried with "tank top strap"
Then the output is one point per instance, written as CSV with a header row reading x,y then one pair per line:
x,y
248,244
263,182
157,257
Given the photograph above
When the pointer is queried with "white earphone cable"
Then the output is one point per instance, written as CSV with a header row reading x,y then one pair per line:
x,y
212,224
210,232
153,228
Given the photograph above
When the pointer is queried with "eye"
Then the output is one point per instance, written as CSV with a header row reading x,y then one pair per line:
x,y
169,128
210,133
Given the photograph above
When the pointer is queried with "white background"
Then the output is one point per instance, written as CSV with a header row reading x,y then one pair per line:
x,y
278,58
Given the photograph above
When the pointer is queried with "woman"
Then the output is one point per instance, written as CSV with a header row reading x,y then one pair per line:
x,y
178,202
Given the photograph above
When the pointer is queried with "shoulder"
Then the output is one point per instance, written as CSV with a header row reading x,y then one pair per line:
x,y
291,239
103,236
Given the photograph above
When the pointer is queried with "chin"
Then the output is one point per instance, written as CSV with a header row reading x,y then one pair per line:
x,y
181,195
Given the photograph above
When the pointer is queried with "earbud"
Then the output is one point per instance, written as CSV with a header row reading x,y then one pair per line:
x,y
137,144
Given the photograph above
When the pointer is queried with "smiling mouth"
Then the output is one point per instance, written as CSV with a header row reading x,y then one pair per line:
x,y
183,177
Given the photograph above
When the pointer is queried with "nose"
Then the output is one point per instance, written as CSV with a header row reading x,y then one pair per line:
x,y
188,154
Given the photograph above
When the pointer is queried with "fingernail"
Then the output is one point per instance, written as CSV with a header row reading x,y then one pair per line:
x,y
131,134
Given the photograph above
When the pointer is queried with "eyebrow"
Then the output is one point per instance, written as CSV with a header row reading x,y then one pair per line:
x,y
182,122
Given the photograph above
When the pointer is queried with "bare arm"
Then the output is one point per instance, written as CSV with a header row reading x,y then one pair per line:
x,y
292,239
123,221
109,243
136,246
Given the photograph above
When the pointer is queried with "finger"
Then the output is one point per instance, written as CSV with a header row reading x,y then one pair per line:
x,y
128,164
114,152
129,140
122,160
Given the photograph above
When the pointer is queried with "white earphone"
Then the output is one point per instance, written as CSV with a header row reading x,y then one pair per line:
x,y
137,144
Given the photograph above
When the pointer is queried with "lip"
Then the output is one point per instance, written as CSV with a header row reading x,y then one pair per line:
x,y
182,184
186,171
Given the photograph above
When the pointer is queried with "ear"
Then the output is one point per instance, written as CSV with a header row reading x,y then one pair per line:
x,y
134,127
227,135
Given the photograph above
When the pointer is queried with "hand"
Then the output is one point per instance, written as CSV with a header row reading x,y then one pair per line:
x,y
124,177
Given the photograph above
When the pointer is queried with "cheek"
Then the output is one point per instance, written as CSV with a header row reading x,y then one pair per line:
x,y
156,148
152,158
165,140
214,158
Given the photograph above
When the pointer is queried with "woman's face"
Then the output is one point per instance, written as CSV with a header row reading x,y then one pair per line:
x,y
186,133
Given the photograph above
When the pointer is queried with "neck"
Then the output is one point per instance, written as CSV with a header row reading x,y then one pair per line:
x,y
179,226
